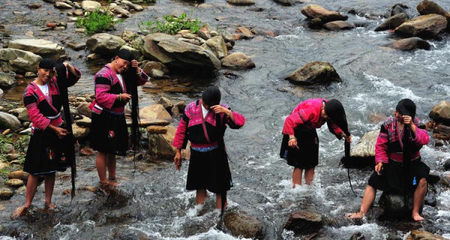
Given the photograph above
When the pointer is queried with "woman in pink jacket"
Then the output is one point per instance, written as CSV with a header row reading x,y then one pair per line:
x,y
300,144
398,144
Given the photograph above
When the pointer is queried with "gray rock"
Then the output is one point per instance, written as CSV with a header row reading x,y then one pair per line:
x,y
119,10
1,92
20,174
40,47
104,43
338,25
132,5
241,224
154,112
394,205
14,183
217,46
151,50
63,5
7,80
314,73
313,11
441,113
9,121
398,8
155,69
425,26
76,45
304,222
238,61
178,108
241,2
429,7
90,6
409,44
393,22
21,113
20,60
161,144
84,110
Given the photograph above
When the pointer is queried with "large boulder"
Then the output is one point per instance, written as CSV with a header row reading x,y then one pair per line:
x,y
161,144
20,60
441,113
104,43
395,205
154,112
151,51
241,2
40,47
190,54
363,154
429,7
242,225
304,222
409,44
21,113
422,235
426,26
9,121
217,46
238,61
90,6
314,73
313,11
7,80
393,22
338,25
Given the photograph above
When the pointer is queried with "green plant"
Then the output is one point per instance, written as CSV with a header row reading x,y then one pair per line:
x,y
149,1
96,21
172,24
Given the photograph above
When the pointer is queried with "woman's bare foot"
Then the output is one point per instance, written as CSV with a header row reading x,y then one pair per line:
x,y
416,217
113,183
104,188
357,215
20,211
49,206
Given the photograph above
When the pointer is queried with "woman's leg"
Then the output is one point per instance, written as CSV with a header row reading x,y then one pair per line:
x,y
200,196
32,183
111,164
309,175
49,185
297,177
101,167
219,201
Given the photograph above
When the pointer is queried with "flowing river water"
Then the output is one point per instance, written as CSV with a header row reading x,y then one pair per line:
x,y
157,205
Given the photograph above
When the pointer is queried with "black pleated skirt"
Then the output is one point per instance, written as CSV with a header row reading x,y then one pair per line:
x,y
307,154
109,133
209,170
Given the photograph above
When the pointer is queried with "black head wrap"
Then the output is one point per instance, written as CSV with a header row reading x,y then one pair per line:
x,y
336,114
406,107
47,63
211,96
125,55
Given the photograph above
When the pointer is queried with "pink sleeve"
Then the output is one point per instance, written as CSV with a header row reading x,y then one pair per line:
x,y
422,137
291,122
102,96
36,117
239,120
180,134
381,153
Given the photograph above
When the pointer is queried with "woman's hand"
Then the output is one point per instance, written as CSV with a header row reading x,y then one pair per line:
x,y
348,138
60,132
292,142
220,109
124,97
379,167
177,159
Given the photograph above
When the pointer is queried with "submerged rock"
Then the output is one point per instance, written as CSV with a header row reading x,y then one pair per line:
x,y
40,47
426,26
393,22
241,2
314,73
241,224
409,44
338,25
238,61
304,222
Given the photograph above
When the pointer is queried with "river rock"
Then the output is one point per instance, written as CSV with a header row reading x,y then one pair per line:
x,y
156,129
398,8
178,108
304,222
429,7
394,205
393,22
79,132
14,183
241,2
441,131
90,6
119,10
154,112
4,165
21,113
245,32
132,5
161,144
6,193
285,2
7,80
204,32
9,121
313,11
104,43
20,174
20,60
425,26
62,5
83,122
84,110
238,61
151,51
217,46
167,104
338,25
241,225
190,54
40,47
441,113
314,73
423,235
136,53
447,165
363,154
7,148
409,44
155,69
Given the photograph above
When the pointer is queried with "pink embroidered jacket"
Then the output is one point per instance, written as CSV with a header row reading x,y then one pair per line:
x,y
203,133
44,110
389,142
307,114
107,87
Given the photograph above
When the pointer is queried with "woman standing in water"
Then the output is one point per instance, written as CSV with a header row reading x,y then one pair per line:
x,y
300,142
45,155
203,124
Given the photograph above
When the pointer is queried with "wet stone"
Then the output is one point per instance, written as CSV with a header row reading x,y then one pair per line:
x,y
242,225
6,193
304,222
14,183
20,174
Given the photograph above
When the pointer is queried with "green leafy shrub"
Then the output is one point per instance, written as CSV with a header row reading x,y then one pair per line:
x,y
172,24
96,21
149,1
